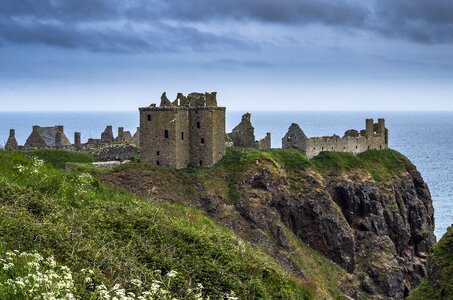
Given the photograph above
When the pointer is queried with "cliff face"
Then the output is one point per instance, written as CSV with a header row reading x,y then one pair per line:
x,y
379,231
438,284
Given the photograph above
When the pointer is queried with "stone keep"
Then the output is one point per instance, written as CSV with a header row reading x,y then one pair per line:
x,y
190,131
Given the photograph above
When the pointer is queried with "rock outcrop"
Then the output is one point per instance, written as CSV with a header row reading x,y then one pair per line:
x,y
438,283
379,231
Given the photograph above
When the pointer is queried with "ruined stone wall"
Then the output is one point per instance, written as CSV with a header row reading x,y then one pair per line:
x,y
295,138
243,135
314,146
218,134
182,138
207,134
195,128
265,143
374,137
107,135
35,140
11,143
156,147
201,134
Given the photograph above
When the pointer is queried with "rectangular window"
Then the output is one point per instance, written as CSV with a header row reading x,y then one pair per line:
x,y
202,140
166,134
182,135
198,124
157,153
149,117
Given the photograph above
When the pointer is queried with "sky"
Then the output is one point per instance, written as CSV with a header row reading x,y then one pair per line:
x,y
257,54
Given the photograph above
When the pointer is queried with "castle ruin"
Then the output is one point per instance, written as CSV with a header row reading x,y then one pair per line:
x,y
243,135
47,137
374,136
190,131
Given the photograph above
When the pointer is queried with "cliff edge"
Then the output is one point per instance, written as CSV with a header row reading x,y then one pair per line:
x,y
371,214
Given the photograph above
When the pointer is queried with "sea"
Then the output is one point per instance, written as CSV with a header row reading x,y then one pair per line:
x,y
426,138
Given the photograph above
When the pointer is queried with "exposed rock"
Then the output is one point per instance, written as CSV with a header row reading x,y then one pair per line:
x,y
438,283
118,152
377,231
108,164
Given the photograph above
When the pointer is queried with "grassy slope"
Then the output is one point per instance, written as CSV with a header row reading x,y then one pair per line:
x,y
86,225
323,275
439,283
223,179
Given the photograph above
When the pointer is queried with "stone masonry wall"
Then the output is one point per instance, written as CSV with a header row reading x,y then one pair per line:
x,y
373,138
265,143
196,131
243,135
156,147
295,138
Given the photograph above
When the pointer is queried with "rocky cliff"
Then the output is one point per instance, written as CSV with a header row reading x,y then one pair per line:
x,y
371,214
438,284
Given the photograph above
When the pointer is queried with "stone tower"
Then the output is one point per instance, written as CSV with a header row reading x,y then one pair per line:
x,y
190,131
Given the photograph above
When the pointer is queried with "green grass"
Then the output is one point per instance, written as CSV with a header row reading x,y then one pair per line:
x,y
87,225
439,282
380,164
59,158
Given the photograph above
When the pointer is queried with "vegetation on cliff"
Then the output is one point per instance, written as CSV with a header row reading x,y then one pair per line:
x,y
121,238
280,205
438,283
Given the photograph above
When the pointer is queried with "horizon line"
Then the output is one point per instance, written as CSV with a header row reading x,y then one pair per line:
x,y
233,110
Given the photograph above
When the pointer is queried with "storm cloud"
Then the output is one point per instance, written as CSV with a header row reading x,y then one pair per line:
x,y
168,26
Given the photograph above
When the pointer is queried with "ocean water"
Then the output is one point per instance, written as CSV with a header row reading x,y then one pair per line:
x,y
425,137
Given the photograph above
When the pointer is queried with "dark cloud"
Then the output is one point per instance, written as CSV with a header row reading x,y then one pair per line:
x,y
288,11
159,26
421,21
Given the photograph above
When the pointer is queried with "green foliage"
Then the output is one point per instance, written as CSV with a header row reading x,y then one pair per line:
x,y
336,162
289,159
439,283
59,158
86,225
380,164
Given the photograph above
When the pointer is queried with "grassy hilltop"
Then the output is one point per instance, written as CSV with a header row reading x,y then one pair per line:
x,y
85,224
120,237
